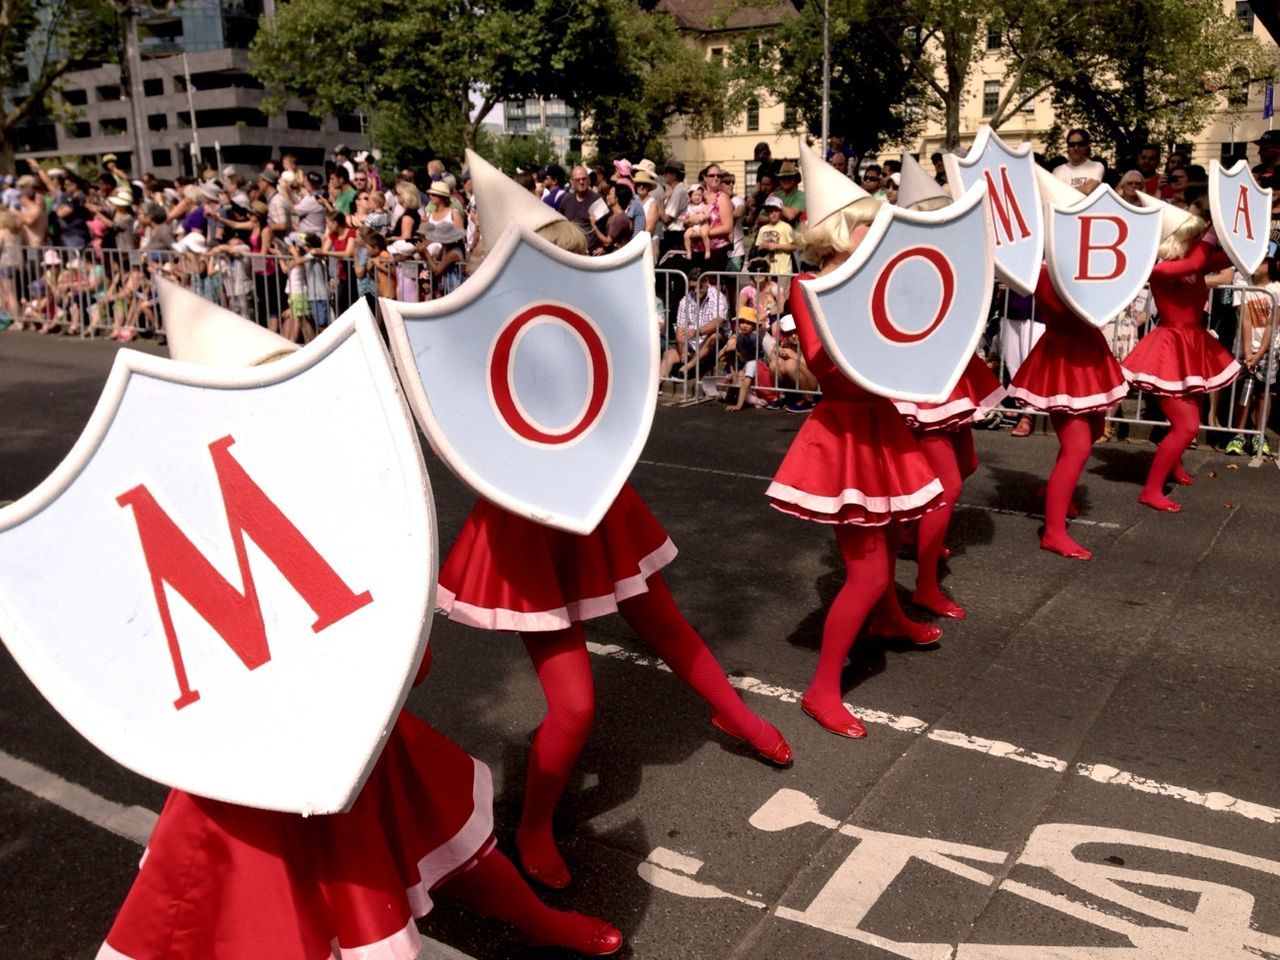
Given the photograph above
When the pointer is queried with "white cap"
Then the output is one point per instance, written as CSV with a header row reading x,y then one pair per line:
x,y
786,323
917,185
193,242
826,189
202,332
1171,217
500,200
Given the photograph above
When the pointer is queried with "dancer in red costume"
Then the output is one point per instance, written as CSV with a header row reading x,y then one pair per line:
x,y
1179,359
853,464
226,882
1070,374
505,572
943,430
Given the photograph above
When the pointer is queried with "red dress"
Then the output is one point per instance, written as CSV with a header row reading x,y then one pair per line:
x,y
506,572
853,460
976,394
1180,356
1070,368
224,882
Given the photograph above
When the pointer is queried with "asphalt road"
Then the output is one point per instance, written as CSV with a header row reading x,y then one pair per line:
x,y
1086,767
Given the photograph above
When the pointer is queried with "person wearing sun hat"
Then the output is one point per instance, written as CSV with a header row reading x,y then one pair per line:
x,y
793,203
226,882
854,464
563,580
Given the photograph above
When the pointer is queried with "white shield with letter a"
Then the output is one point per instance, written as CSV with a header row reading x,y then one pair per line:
x,y
536,380
254,554
1100,252
902,316
1016,221
1241,212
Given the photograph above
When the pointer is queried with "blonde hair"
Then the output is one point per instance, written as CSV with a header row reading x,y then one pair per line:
x,y
8,221
1178,244
192,193
565,235
834,233
409,196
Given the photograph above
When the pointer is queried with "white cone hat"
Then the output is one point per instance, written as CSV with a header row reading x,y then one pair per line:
x,y
1053,190
917,186
1171,217
500,200
202,332
826,189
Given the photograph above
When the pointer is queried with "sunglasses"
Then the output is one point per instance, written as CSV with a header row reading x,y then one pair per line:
x,y
1077,143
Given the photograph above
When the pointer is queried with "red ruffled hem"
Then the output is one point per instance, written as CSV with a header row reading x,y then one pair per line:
x,y
505,572
976,394
855,462
1177,361
1075,373
228,881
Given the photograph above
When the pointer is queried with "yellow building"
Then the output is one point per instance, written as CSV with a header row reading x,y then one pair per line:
x,y
714,25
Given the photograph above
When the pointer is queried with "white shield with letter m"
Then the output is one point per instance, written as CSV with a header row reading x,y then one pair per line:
x,y
1100,252
535,381
902,316
1016,220
1241,212
226,585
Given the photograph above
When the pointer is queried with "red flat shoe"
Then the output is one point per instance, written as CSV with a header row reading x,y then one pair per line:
x,y
838,720
1076,552
941,604
921,634
1163,503
776,751
550,871
602,940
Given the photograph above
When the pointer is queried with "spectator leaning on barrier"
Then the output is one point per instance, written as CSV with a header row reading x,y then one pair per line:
x,y
788,368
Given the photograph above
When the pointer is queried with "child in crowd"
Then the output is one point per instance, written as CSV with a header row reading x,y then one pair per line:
x,y
378,218
742,354
1261,349
697,222
762,294
317,281
299,313
775,240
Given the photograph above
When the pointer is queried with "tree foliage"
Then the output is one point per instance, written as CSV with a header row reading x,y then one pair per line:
x,y
40,41
1150,70
413,64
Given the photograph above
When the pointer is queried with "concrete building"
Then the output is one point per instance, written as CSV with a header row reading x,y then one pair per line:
x,y
220,109
557,118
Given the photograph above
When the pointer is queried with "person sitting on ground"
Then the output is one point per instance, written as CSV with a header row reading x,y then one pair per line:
x,y
742,355
788,370
698,318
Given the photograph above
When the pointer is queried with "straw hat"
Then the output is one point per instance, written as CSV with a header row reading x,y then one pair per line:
x,y
500,200
826,189
439,189
202,332
644,176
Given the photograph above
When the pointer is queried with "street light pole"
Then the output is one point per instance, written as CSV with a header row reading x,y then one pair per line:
x,y
133,61
826,74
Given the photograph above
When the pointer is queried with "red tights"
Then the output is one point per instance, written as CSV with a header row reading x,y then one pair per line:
x,y
494,888
1076,436
940,448
564,671
1183,414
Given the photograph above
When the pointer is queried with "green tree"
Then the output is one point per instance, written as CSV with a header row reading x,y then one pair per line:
x,y
528,151
1151,70
40,41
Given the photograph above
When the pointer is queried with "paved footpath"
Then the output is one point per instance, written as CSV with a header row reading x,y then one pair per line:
x,y
1086,767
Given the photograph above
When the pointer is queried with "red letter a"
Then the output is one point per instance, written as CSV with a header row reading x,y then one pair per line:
x,y
236,617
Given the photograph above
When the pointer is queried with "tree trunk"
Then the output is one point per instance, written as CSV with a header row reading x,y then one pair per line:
x,y
952,105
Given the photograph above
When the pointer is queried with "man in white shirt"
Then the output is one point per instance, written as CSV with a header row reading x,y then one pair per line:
x,y
1079,171
699,318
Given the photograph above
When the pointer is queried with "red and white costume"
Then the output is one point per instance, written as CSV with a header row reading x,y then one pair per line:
x,y
854,460
1071,368
220,880
975,395
1180,356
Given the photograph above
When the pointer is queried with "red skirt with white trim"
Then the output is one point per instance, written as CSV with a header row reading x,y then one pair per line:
x,y
223,882
976,394
506,572
1177,361
855,461
1071,371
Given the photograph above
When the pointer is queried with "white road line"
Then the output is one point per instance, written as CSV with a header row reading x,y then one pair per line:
x,y
969,506
132,823
1099,773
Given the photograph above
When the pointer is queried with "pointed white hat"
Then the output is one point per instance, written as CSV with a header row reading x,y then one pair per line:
x,y
917,185
1171,217
500,200
826,189
202,332
1053,190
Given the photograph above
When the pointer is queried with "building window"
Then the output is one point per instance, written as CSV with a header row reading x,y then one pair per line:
x,y
297,120
109,92
157,122
717,122
113,126
1244,14
990,97
717,55
994,39
753,115
1029,106
789,116
153,86
752,176
161,158
78,131
76,98
1238,88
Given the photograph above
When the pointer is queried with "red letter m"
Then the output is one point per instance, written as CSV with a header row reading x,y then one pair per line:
x,y
236,617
